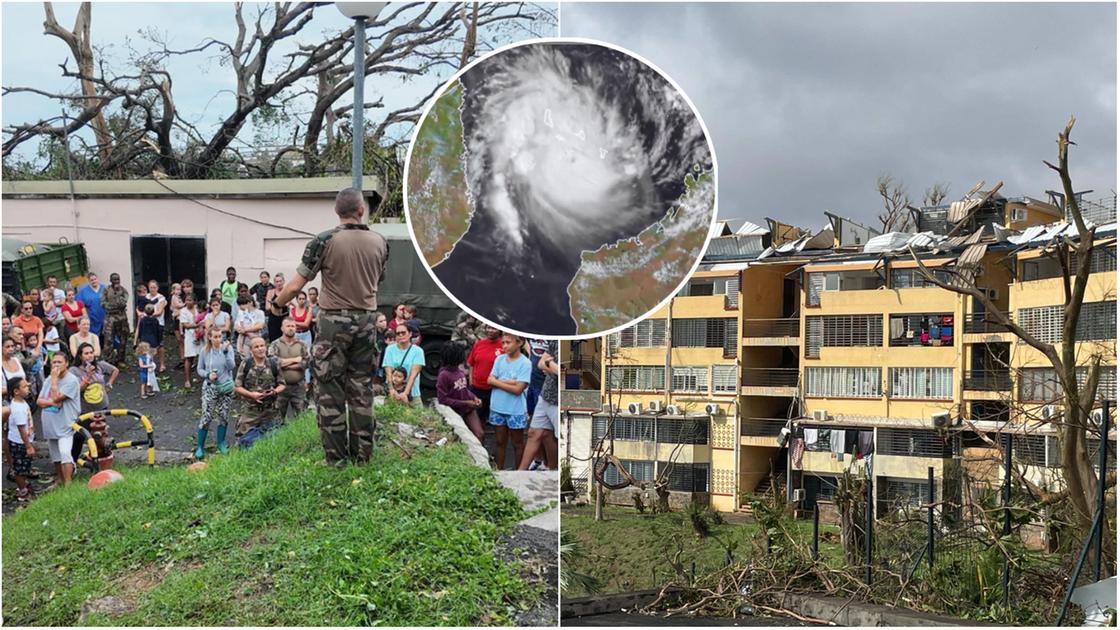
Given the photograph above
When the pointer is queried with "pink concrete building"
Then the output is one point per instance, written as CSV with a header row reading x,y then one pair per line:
x,y
174,229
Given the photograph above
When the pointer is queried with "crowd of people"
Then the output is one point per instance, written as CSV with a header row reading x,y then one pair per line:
x,y
63,350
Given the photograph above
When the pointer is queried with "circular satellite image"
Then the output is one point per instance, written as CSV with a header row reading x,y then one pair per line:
x,y
560,188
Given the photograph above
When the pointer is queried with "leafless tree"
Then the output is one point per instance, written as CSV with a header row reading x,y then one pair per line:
x,y
279,65
1077,398
895,216
936,194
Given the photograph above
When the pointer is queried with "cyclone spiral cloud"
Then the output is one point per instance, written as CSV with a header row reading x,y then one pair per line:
x,y
560,188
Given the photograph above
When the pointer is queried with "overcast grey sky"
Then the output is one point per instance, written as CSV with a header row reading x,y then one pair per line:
x,y
808,103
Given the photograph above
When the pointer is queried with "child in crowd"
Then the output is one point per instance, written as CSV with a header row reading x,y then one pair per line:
x,y
452,390
145,362
509,378
148,329
20,436
399,379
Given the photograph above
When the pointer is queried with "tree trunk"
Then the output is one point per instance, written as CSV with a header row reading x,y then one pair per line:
x,y
78,40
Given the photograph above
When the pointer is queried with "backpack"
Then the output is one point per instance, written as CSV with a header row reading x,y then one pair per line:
x,y
273,367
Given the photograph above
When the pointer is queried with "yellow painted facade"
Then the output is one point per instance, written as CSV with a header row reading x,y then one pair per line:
x,y
740,458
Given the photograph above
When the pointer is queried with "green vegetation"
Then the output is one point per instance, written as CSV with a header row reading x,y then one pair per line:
x,y
274,536
438,204
628,551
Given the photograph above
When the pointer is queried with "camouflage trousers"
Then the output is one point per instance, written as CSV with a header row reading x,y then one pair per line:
x,y
342,360
291,402
115,326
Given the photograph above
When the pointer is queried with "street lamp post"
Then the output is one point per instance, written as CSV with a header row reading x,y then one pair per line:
x,y
360,12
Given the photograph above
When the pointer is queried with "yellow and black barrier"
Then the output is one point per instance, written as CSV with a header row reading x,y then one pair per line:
x,y
150,442
90,442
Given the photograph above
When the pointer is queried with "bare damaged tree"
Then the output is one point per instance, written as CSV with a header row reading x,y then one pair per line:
x,y
1077,399
895,216
78,40
278,64
936,194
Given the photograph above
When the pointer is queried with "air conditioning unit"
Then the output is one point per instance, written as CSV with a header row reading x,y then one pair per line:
x,y
1049,411
655,406
634,408
712,409
993,294
798,494
941,420
820,415
609,408
673,410
1096,417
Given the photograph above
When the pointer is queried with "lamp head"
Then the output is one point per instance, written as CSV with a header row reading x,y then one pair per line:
x,y
355,10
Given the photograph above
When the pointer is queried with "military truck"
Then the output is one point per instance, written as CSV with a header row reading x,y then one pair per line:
x,y
27,265
407,281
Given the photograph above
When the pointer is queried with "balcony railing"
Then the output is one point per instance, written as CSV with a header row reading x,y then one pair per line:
x,y
770,377
987,380
764,427
983,323
588,363
783,327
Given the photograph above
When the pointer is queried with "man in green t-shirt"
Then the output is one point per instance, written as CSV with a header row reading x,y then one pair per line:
x,y
229,287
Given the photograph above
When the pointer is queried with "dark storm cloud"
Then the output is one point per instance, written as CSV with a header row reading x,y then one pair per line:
x,y
807,104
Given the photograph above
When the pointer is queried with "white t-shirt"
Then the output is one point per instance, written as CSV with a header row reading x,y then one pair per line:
x,y
157,301
191,343
50,339
248,319
21,416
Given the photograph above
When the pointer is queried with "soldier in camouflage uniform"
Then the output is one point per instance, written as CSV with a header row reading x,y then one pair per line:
x,y
116,320
351,259
259,382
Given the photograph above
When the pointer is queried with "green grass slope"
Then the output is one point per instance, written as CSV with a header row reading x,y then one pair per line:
x,y
273,536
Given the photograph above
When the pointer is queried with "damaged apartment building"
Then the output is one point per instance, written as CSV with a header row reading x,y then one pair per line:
x,y
793,356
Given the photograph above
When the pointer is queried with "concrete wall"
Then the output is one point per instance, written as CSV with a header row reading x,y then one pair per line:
x,y
265,233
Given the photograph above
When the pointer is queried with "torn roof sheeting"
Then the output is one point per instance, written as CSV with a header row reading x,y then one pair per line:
x,y
901,241
734,246
750,229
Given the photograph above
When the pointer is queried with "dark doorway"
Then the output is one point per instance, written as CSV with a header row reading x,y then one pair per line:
x,y
169,259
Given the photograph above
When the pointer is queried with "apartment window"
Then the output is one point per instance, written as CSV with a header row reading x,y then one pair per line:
x,y
685,477
728,287
1042,384
1102,259
648,333
706,332
843,382
682,430
915,279
815,287
642,470
847,331
1042,322
725,378
898,492
922,329
690,379
1097,322
622,428
1031,449
640,377
913,442
1039,385
921,383
814,337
